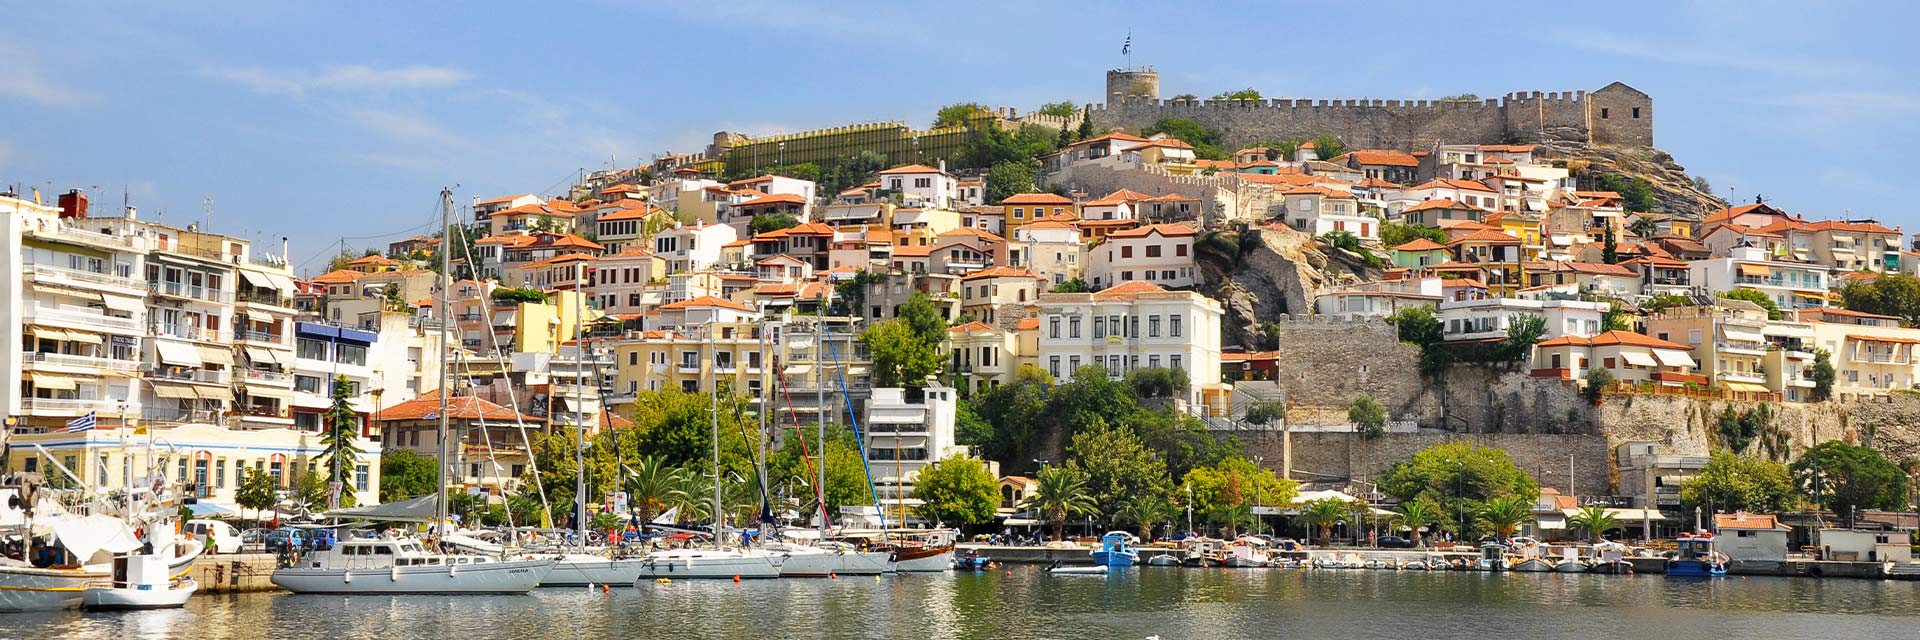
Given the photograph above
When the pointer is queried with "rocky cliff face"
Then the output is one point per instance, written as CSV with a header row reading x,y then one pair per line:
x,y
1266,272
1673,190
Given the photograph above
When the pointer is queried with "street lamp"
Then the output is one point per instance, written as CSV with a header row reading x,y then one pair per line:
x,y
1189,507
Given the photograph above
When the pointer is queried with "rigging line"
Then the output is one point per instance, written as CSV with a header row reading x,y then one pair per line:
x,y
806,459
513,400
860,441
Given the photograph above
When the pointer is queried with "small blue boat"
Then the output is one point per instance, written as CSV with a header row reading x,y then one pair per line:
x,y
1116,550
972,561
1696,558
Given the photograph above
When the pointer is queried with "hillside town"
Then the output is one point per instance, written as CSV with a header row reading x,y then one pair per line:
x,y
1033,295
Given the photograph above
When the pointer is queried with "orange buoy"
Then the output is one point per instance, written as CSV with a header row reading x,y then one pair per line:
x,y
606,588
833,576
736,577
1009,573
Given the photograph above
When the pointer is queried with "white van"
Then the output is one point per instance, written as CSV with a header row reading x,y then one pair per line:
x,y
219,537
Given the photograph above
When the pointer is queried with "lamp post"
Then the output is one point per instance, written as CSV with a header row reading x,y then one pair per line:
x,y
1189,507
1258,498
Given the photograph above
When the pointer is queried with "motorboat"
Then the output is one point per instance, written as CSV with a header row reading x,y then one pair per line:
x,y
972,561
1247,552
1116,550
1201,552
1164,560
827,559
1493,557
1610,557
140,581
1570,562
1530,558
402,566
1095,570
1696,557
713,563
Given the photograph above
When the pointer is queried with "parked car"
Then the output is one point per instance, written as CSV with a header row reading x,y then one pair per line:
x,y
219,537
286,539
1395,542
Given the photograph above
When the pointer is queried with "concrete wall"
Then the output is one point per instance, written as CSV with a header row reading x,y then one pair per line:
x,y
1543,456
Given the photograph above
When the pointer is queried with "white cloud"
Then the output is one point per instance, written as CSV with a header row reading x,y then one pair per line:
x,y
355,77
20,79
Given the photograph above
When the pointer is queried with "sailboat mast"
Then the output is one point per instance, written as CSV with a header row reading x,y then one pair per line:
x,y
713,413
446,285
579,425
820,335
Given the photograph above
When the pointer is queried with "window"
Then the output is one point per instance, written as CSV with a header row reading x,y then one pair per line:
x,y
1603,113
1133,326
351,354
1073,327
1636,112
1173,325
1019,213
1053,366
1100,327
311,349
1153,251
360,474
922,183
220,473
307,384
1173,362
1153,326
1053,326
1180,250
1073,364
1126,252
1153,362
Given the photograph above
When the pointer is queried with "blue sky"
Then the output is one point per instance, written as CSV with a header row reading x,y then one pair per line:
x,y
328,120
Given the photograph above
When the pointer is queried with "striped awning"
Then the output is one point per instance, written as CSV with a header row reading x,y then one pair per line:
x,y
177,354
1746,387
216,355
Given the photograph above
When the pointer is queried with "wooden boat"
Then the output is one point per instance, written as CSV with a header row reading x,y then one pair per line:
x,y
1116,550
1696,558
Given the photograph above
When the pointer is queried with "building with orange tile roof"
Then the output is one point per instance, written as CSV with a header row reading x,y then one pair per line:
x,y
1160,254
1135,325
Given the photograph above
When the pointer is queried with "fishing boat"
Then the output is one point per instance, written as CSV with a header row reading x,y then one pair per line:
x,y
1696,557
1164,560
1530,558
1246,553
1493,557
1116,550
1201,552
1570,562
65,550
140,581
1610,557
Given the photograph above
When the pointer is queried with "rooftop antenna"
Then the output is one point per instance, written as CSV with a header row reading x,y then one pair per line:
x,y
206,212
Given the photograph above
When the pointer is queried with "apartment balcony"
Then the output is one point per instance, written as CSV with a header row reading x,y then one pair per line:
x,y
471,343
260,336
36,360
204,376
77,277
1879,358
184,290
65,408
259,411
887,428
63,232
1562,374
263,375
80,318
468,317
1749,377
178,415
187,332
269,298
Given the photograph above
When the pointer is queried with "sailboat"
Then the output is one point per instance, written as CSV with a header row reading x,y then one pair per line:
x,y
405,566
578,567
718,561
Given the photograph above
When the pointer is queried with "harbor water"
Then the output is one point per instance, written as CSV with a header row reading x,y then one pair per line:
x,y
1025,602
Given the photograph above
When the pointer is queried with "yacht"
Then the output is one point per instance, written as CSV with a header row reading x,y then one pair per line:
x,y
924,552
586,569
394,566
715,563
827,559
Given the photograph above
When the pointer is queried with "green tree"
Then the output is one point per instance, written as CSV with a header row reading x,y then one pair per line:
x,y
1843,477
1085,130
1616,318
1459,476
1070,285
1369,415
1461,97
341,449
770,222
1598,379
956,490
1523,331
1059,494
1595,520
959,114
1393,234
604,521
1010,177
1058,109
1505,514
1610,248
1343,240
1732,482
1890,294
901,358
1823,375
309,489
1756,297
1266,412
1322,514
1116,465
1146,511
1018,413
1328,146
1417,515
1417,326
846,468
1662,302
1226,491
257,491
1242,94
513,294
1643,227
405,474
1205,141
1636,193
1158,382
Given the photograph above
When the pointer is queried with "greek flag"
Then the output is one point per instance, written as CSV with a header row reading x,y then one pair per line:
x,y
82,423
1127,47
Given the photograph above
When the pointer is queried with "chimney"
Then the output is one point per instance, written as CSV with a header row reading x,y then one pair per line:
x,y
133,213
73,204
283,250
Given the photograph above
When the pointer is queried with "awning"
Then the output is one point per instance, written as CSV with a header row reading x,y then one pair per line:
x,y
224,394
256,279
505,318
81,336
123,303
281,282
1671,358
419,509
216,355
50,333
1639,359
1736,335
178,354
1755,270
799,370
174,391
210,510
1746,387
263,356
258,391
1635,516
49,381
804,342
264,318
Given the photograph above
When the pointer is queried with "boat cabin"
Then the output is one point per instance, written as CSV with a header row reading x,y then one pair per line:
x,y
382,554
1698,547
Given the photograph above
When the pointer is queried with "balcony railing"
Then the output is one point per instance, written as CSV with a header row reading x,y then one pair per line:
x,y
260,336
176,414
186,332
65,232
53,273
184,290
84,362
211,376
1879,358
263,375
259,411
265,297
66,407
86,317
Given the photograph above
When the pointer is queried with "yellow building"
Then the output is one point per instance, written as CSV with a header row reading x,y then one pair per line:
x,y
209,457
1022,208
1872,355
540,327
725,354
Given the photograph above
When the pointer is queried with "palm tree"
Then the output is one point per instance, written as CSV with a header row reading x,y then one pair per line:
x,y
1505,514
654,487
1059,493
1644,227
1416,515
1595,521
1146,511
1322,514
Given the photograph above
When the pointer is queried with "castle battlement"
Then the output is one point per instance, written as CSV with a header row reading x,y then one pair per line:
x,y
1615,114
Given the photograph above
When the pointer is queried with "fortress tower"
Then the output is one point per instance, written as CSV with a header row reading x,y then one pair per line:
x,y
1124,84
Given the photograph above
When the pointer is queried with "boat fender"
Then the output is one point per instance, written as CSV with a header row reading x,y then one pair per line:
x,y
662,581
833,576
606,589
1815,572
589,587
736,578
453,570
347,577
394,574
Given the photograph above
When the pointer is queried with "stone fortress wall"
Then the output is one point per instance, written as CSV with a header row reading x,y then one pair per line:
x,y
1616,114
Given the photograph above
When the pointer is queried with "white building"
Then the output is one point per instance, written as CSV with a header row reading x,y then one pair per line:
x,y
693,247
1488,318
908,429
1132,326
1161,254
1791,285
936,187
1319,211
1052,250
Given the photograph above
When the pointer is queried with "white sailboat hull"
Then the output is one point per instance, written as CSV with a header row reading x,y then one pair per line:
x,y
934,563
123,598
821,564
513,576
586,570
717,566
30,589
